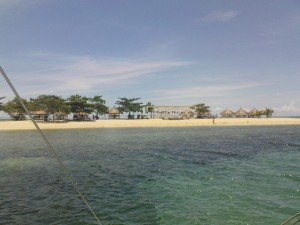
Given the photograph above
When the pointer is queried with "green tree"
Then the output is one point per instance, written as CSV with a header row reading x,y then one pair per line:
x,y
80,106
1,104
202,110
149,109
51,104
259,113
98,105
129,105
15,109
268,112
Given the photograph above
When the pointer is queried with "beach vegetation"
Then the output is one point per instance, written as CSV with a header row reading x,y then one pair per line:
x,y
149,109
202,110
98,105
15,109
82,106
1,104
79,106
268,112
50,104
129,105
259,113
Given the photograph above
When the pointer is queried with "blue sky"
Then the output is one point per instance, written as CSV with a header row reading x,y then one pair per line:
x,y
169,52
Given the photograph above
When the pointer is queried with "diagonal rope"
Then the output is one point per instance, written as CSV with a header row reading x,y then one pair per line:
x,y
63,167
291,218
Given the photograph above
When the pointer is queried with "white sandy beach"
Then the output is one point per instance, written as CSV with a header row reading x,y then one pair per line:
x,y
27,125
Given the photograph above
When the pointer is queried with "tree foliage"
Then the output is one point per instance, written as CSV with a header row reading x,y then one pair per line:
x,y
202,110
268,112
258,114
98,105
79,104
149,108
53,104
15,109
129,105
50,104
1,104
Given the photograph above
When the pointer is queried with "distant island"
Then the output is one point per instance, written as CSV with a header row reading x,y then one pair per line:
x,y
80,108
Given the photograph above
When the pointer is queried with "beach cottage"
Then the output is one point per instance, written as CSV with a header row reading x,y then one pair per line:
x,y
113,113
39,115
227,113
241,113
253,113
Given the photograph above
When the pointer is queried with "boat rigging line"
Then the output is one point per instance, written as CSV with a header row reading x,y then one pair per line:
x,y
293,219
51,149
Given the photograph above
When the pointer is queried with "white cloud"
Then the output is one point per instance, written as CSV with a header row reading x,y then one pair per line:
x,y
289,109
221,16
82,74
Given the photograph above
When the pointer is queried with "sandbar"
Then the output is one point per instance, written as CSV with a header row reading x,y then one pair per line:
x,y
27,124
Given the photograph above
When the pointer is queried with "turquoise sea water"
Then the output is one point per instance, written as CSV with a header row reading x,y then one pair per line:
x,y
164,176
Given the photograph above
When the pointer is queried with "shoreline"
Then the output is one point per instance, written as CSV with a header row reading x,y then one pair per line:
x,y
27,124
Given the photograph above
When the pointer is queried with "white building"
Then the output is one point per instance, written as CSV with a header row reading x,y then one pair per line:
x,y
169,112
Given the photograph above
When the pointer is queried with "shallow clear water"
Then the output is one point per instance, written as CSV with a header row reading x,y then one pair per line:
x,y
206,175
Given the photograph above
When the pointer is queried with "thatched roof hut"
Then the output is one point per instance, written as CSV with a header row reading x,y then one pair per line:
x,y
227,113
113,110
113,113
39,114
253,112
241,113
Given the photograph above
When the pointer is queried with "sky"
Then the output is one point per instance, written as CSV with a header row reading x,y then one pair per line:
x,y
168,52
